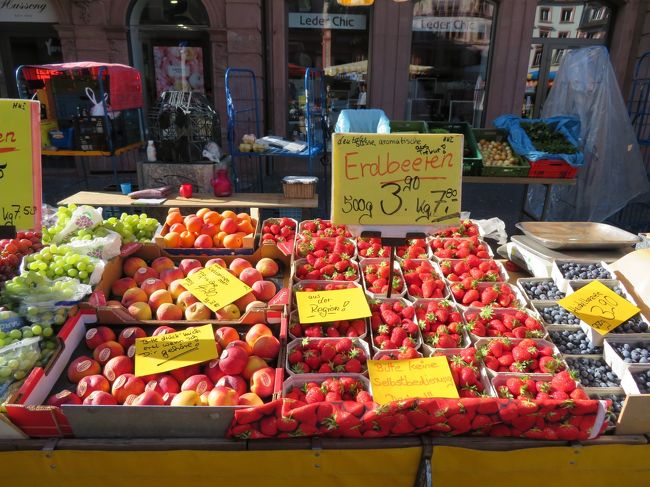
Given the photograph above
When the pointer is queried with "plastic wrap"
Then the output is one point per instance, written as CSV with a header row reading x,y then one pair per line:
x,y
371,121
613,175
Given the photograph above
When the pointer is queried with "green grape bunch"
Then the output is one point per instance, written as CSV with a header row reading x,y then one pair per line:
x,y
60,261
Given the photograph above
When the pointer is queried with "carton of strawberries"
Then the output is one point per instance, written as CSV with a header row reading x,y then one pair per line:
x,y
393,326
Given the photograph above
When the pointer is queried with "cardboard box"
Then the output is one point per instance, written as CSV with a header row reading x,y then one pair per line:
x,y
286,247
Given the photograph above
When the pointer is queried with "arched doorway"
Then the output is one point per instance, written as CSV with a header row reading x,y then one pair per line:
x,y
170,46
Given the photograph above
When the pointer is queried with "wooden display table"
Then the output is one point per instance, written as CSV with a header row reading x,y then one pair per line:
x,y
237,200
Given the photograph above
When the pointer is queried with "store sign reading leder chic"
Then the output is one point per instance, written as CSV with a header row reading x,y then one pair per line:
x,y
326,21
450,24
27,11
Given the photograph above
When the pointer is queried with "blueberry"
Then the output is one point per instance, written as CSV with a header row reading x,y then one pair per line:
x,y
574,343
575,270
542,290
594,372
636,353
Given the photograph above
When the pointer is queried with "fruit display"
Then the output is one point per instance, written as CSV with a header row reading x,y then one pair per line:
x,y
579,270
633,353
591,372
480,270
557,315
510,323
459,248
562,387
574,342
332,389
392,325
546,139
465,367
376,278
541,290
441,324
206,229
322,270
327,356
371,247
521,356
470,292
422,279
12,251
321,228
276,230
642,380
466,228
496,153
415,249
320,247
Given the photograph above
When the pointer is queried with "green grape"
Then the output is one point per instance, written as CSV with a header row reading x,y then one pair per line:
x,y
15,334
48,332
37,329
83,275
13,364
20,374
5,372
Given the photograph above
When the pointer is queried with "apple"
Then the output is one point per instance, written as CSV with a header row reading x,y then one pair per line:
x,y
125,385
233,360
168,397
224,335
235,382
163,330
230,312
100,398
170,275
140,311
185,299
250,275
223,396
176,288
216,261
199,383
264,290
63,397
161,264
169,312
186,265
131,265
128,336
81,367
118,366
184,373
213,371
266,347
198,312
134,295
250,399
238,265
129,400
148,398
254,363
99,335
256,331
267,267
163,385
159,298
185,398
263,382
92,383
107,351
244,301
120,286
242,344
152,284
144,273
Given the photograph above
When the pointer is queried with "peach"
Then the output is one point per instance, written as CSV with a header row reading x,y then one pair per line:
x,y
92,383
63,397
107,351
140,311
185,372
210,230
173,216
200,383
170,275
82,367
128,335
164,385
250,399
254,363
194,224
263,382
233,360
159,298
152,284
120,286
230,312
255,305
125,385
172,240
177,228
225,335
203,242
264,290
144,273
169,312
233,241
163,330
212,217
250,276
161,264
176,288
118,366
243,345
244,301
100,398
256,331
238,265
235,382
266,347
99,335
194,271
223,396
186,240
267,267
186,265
202,212
185,398
216,261
131,265
186,299
148,398
134,295
198,312
229,225
213,371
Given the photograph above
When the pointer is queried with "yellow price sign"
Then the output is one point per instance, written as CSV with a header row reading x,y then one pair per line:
x,y
215,287
396,179
20,164
599,307
394,380
171,351
335,305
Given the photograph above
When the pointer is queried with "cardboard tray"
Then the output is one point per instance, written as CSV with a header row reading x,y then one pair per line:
x,y
431,239
299,262
358,342
531,301
502,270
485,341
427,349
615,361
439,275
563,283
498,312
485,378
285,247
593,389
397,273
521,302
302,379
560,328
418,338
598,339
331,240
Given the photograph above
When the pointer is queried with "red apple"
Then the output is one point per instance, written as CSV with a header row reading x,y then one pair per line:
x,y
92,383
99,335
153,284
149,398
266,347
163,385
256,331
254,363
233,360
125,385
242,344
107,351
225,335
63,397
128,336
223,396
213,371
118,366
144,273
100,398
131,265
185,372
263,382
199,383
235,382
163,330
81,367
120,286
134,295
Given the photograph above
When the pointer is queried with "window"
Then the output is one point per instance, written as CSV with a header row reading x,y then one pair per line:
x,y
566,15
598,14
564,34
558,54
544,14
537,58
544,33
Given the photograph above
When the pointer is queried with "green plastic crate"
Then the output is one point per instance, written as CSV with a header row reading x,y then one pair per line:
x,y
500,135
472,161
412,126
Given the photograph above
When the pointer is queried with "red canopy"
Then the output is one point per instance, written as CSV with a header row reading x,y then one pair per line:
x,y
125,81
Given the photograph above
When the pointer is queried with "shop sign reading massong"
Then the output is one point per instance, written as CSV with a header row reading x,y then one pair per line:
x,y
27,11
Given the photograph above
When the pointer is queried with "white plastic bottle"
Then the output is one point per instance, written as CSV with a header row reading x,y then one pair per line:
x,y
151,152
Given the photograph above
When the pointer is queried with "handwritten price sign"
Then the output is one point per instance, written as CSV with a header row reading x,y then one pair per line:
x,y
171,351
326,306
215,287
20,164
394,380
599,307
396,179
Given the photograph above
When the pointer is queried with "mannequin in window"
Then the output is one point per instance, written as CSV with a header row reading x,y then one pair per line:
x,y
361,101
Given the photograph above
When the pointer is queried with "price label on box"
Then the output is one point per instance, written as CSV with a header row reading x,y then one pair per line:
x,y
335,305
599,307
394,380
215,287
396,179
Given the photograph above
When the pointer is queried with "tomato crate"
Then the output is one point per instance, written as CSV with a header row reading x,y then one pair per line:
x,y
472,161
552,168
500,135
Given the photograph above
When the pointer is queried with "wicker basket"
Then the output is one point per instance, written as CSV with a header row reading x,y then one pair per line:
x,y
299,187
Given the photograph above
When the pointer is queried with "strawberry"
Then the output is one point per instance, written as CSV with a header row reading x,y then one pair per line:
x,y
465,229
509,323
327,355
480,270
275,230
391,325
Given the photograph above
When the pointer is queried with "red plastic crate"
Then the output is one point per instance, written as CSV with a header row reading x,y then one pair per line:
x,y
551,168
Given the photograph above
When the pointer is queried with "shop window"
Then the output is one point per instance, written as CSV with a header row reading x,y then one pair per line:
x,y
450,50
334,38
544,14
566,15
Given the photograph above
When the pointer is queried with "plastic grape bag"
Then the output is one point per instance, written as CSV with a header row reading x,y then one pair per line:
x,y
39,290
18,359
10,321
104,248
84,217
